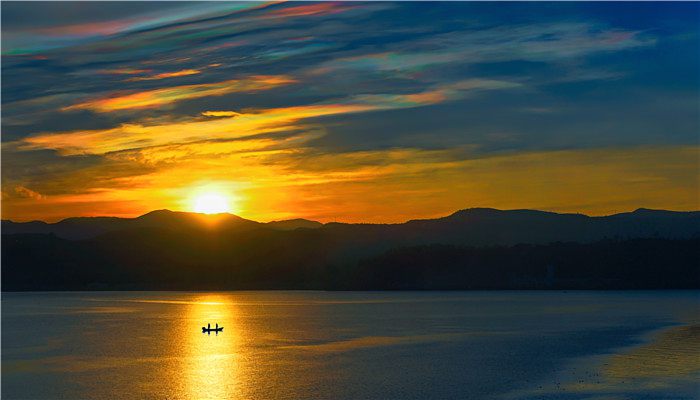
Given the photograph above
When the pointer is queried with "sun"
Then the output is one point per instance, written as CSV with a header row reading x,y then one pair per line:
x,y
210,198
211,203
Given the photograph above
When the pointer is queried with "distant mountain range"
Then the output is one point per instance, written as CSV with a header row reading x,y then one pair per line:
x,y
166,249
88,227
474,226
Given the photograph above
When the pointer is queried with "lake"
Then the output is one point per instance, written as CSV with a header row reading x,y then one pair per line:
x,y
351,345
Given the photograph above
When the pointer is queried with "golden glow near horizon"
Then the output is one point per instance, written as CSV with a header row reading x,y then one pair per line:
x,y
211,203
380,186
214,198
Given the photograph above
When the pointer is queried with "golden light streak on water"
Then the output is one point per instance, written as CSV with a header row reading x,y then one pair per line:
x,y
212,367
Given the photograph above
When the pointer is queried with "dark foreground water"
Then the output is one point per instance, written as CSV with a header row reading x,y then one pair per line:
x,y
351,345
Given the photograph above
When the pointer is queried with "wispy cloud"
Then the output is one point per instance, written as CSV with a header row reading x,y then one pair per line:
x,y
165,75
160,97
324,8
55,36
220,113
229,124
22,191
124,71
535,42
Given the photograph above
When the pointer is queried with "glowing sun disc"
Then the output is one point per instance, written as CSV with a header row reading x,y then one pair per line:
x,y
211,203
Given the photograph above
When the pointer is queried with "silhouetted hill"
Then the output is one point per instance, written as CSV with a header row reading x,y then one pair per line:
x,y
165,249
475,226
291,224
490,226
485,227
89,227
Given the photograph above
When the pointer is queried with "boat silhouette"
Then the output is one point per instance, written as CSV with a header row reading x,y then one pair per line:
x,y
208,328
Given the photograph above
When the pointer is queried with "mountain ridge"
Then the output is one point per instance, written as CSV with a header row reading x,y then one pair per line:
x,y
77,228
482,248
640,210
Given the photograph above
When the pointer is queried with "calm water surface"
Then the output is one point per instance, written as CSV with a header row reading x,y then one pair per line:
x,y
351,345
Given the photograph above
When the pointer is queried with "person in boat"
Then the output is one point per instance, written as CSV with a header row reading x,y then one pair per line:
x,y
216,329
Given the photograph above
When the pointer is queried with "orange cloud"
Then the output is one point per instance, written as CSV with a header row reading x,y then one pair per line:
x,y
220,113
22,191
164,75
165,96
229,124
89,29
124,71
232,125
311,9
131,136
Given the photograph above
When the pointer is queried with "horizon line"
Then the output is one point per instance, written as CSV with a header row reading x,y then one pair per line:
x,y
638,209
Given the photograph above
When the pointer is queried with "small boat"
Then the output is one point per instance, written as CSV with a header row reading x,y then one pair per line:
x,y
208,328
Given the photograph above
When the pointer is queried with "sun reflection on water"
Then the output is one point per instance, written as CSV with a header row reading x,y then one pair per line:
x,y
211,367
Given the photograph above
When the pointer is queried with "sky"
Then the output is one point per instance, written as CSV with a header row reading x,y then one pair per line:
x,y
348,111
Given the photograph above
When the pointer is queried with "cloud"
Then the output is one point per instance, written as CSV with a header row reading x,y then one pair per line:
x,y
91,28
135,136
165,75
124,71
220,113
160,97
533,42
29,38
22,191
324,8
232,124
